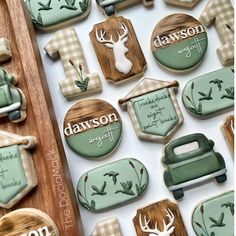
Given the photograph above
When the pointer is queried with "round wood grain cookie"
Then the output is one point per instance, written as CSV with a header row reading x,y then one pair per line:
x,y
179,42
92,128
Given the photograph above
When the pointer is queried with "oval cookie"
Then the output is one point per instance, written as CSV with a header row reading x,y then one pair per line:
x,y
210,93
179,42
27,222
92,128
112,184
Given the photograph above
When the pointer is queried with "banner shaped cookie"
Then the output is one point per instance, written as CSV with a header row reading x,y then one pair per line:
x,y
112,184
215,216
118,50
12,99
5,50
92,128
153,109
221,14
190,160
65,43
17,174
109,7
179,42
210,94
183,3
27,222
53,14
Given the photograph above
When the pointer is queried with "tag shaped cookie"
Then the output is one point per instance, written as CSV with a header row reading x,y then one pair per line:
x,y
118,50
221,14
183,3
12,99
50,14
92,128
112,184
109,7
153,109
210,94
161,218
190,160
109,227
179,42
17,174
27,222
215,216
65,43
5,50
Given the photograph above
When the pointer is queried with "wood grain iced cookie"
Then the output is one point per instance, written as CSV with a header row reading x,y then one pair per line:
x,y
153,109
112,184
190,160
92,128
79,82
221,14
162,218
53,14
179,42
118,50
12,99
215,216
5,50
183,3
210,94
27,222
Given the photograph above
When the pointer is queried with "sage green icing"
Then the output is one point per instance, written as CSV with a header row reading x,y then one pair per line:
x,y
46,13
192,52
215,217
155,112
80,142
210,93
12,174
112,184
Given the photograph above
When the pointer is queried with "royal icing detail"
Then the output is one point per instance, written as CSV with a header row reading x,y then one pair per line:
x,y
221,14
183,3
190,160
115,42
65,43
162,218
112,184
27,222
215,216
12,99
52,14
210,94
92,128
179,42
5,50
153,109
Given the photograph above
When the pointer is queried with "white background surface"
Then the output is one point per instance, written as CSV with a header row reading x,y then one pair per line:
x,y
144,21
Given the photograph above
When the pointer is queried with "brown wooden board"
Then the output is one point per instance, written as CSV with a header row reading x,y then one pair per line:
x,y
54,194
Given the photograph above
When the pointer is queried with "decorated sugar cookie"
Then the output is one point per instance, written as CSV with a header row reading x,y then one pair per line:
x,y
5,50
190,160
153,109
109,227
183,3
161,218
118,50
17,174
27,222
112,184
109,7
12,99
53,14
215,216
65,43
221,14
92,128
210,94
179,42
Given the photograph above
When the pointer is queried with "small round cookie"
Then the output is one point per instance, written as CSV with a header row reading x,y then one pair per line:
x,y
92,128
179,42
27,222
